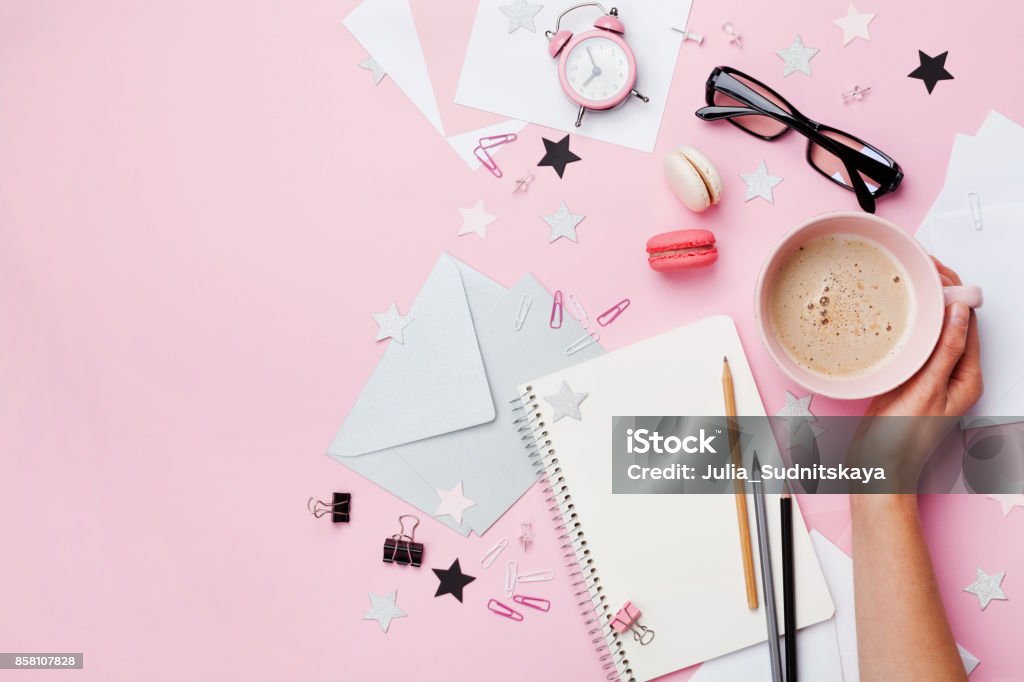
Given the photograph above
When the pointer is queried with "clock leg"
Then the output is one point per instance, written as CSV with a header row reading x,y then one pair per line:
x,y
579,117
639,96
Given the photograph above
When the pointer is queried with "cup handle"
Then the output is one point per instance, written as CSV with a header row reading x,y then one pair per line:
x,y
967,294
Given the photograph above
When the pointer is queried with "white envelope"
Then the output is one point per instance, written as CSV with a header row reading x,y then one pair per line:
x,y
433,382
436,410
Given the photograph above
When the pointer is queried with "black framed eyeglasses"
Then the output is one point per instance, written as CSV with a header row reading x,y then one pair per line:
x,y
844,159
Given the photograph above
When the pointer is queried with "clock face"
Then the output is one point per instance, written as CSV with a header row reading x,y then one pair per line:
x,y
598,69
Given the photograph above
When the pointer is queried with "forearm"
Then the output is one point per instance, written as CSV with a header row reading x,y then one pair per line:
x,y
902,631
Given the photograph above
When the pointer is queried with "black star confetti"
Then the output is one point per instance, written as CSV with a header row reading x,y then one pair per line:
x,y
557,155
452,580
932,70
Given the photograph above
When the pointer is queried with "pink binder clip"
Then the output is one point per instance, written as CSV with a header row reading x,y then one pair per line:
x,y
556,311
495,606
627,619
485,143
533,602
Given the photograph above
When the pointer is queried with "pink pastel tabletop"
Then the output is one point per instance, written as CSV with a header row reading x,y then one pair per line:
x,y
201,204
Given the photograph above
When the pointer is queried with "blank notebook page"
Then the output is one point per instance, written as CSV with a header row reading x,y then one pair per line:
x,y
676,557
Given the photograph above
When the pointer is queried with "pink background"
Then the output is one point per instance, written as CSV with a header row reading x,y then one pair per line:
x,y
201,203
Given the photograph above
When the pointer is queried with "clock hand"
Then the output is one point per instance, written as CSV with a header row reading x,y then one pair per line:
x,y
597,69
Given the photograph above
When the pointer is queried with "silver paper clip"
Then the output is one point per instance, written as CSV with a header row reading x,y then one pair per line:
x,y
556,311
523,183
730,31
975,202
535,576
578,312
608,316
524,309
579,344
511,575
855,95
493,552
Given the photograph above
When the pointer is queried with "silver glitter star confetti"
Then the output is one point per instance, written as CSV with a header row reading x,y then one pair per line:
x,y
391,324
566,403
383,609
453,503
371,65
520,15
1008,501
760,183
987,587
854,25
563,223
797,407
476,220
797,57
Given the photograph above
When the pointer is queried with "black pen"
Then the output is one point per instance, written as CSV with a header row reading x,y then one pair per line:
x,y
788,585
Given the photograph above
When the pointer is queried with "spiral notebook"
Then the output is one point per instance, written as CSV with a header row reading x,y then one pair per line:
x,y
675,557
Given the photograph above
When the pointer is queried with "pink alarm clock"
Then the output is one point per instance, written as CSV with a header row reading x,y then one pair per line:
x,y
597,69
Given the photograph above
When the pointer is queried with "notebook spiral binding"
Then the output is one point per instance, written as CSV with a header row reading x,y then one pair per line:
x,y
588,591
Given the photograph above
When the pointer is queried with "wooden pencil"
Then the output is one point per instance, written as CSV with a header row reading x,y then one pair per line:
x,y
738,487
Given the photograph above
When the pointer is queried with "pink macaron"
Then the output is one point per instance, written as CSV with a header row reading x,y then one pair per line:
x,y
681,250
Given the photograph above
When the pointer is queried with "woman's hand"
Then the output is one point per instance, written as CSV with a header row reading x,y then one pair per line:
x,y
950,382
944,389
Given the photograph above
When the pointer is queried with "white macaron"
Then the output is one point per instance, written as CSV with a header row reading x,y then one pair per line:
x,y
693,178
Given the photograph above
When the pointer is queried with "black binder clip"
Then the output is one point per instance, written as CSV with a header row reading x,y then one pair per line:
x,y
338,508
401,548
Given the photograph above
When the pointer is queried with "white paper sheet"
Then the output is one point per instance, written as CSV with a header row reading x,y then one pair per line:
x,y
512,74
990,166
387,30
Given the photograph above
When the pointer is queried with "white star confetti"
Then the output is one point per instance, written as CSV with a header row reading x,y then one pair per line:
x,y
797,407
391,324
797,57
453,503
383,609
476,220
563,223
854,25
520,15
1008,501
987,587
760,183
371,65
566,403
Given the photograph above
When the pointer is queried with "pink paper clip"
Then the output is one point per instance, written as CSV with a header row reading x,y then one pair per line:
x,y
485,143
495,606
627,619
533,602
556,311
608,316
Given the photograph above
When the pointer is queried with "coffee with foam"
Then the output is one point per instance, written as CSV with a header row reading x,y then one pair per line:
x,y
840,305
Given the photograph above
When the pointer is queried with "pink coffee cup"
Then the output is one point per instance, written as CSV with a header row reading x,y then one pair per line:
x,y
928,301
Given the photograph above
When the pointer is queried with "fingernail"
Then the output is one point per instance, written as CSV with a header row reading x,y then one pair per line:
x,y
959,314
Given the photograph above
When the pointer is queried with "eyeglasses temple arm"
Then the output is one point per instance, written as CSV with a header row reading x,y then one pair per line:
x,y
717,113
